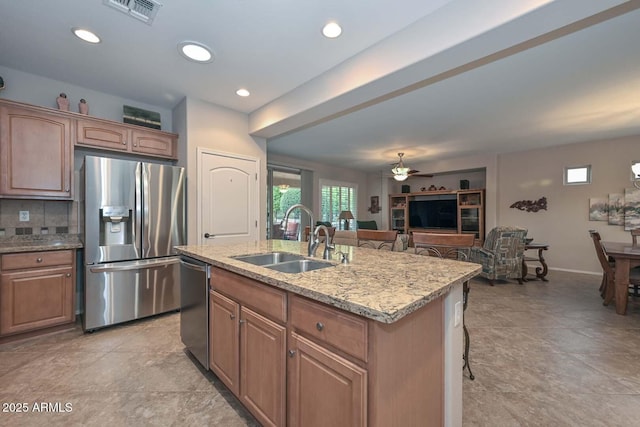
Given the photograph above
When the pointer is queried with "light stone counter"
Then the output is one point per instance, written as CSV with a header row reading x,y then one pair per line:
x,y
380,285
39,242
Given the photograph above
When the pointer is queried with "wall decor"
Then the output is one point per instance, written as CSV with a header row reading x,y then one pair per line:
x,y
631,208
616,209
531,205
598,209
375,204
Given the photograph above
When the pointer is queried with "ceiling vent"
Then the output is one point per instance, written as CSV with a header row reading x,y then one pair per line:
x,y
142,10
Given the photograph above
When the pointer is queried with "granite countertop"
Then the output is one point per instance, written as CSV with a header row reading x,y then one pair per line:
x,y
39,242
380,285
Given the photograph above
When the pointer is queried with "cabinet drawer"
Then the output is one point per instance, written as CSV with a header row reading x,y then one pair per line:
x,y
264,299
344,331
36,259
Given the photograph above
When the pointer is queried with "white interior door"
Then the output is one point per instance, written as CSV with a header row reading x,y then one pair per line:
x,y
228,198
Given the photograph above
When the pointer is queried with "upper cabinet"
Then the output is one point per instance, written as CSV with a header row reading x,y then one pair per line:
x,y
97,133
36,153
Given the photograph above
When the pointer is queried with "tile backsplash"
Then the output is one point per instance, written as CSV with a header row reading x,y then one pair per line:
x,y
45,217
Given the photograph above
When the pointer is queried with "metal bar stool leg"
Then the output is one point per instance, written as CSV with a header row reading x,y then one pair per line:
x,y
465,356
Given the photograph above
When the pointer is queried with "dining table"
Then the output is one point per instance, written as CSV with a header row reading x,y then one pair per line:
x,y
626,256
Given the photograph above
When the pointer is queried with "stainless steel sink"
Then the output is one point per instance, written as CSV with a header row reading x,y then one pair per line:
x,y
299,266
270,258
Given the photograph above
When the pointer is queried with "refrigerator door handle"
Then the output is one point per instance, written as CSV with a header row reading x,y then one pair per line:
x,y
136,265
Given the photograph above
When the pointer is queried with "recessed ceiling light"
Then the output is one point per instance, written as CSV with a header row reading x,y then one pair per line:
x,y
195,51
85,35
331,30
243,92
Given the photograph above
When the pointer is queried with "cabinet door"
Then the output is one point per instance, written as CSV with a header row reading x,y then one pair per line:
x,y
263,367
36,154
224,340
156,144
324,388
34,299
94,133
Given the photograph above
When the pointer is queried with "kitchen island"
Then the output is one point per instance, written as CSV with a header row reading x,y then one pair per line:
x,y
372,342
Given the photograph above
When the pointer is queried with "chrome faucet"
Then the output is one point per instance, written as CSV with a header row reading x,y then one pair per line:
x,y
326,254
312,246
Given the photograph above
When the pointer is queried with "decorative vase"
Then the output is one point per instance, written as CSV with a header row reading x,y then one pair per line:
x,y
63,102
83,107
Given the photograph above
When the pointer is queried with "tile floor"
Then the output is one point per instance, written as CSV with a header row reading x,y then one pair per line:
x,y
544,354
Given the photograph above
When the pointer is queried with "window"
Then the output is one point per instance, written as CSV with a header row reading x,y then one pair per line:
x,y
336,197
577,175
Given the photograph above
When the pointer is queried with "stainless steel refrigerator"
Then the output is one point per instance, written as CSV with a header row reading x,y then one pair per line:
x,y
134,216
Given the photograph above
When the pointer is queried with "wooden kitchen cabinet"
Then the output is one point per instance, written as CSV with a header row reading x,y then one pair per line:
x,y
103,134
247,345
324,388
224,340
36,153
37,290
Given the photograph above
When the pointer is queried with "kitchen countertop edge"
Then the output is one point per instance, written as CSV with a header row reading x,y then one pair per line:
x,y
285,281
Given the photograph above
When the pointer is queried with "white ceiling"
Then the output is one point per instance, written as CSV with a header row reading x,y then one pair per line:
x,y
417,89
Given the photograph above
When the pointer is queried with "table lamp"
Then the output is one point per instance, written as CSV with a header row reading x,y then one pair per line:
x,y
346,215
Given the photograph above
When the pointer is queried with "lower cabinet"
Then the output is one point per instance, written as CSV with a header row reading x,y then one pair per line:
x,y
34,297
324,388
247,349
296,362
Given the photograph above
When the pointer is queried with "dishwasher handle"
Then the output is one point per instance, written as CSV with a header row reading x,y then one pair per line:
x,y
197,267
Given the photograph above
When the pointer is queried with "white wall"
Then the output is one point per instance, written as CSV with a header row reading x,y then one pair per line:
x,y
41,91
564,225
201,124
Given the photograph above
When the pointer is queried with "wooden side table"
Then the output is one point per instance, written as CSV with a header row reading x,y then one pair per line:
x,y
541,272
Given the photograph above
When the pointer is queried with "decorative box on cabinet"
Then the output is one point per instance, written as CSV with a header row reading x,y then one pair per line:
x,y
37,290
36,153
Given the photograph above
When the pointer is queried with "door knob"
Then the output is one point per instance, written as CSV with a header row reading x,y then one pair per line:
x,y
207,236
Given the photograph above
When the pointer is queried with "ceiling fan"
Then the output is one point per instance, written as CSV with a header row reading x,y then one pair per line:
x,y
401,172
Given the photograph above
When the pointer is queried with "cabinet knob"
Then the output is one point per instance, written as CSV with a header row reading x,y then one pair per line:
x,y
39,260
124,142
68,274
232,316
66,189
242,321
292,353
319,326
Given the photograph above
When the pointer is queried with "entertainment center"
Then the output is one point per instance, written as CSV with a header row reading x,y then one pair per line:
x,y
445,211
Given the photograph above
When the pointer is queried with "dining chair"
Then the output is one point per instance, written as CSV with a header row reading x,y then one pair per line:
x,y
291,233
607,287
377,239
451,246
332,232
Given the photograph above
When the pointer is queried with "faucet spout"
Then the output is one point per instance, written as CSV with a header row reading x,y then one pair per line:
x,y
326,254
312,245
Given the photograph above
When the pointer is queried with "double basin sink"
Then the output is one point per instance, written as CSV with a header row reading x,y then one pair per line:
x,y
284,262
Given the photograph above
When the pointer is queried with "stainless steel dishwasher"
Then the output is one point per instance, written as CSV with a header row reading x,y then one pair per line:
x,y
194,308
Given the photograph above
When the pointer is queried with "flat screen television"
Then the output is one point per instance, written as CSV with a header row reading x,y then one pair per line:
x,y
433,214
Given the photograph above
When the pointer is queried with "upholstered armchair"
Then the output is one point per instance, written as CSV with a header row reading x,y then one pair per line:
x,y
501,255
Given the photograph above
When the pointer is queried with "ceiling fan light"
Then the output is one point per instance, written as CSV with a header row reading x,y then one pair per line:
x,y
400,177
